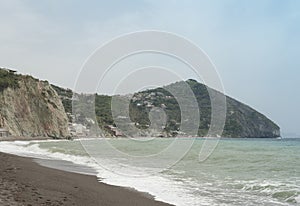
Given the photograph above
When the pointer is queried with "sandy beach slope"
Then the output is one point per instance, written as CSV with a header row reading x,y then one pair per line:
x,y
24,182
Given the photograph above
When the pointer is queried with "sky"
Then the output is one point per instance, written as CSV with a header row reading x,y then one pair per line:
x,y
254,44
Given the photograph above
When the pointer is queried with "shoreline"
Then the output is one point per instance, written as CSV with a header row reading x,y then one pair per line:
x,y
20,138
25,182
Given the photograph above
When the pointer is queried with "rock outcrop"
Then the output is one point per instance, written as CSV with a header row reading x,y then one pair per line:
x,y
32,108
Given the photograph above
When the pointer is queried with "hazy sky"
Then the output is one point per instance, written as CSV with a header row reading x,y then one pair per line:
x,y
255,44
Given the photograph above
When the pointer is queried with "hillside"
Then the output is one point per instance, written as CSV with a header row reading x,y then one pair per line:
x,y
30,107
241,120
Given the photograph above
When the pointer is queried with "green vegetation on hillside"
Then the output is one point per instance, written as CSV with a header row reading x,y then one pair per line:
x,y
67,93
66,97
103,110
241,120
8,78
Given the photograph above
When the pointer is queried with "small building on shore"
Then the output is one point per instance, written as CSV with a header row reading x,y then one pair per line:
x,y
114,131
78,130
4,132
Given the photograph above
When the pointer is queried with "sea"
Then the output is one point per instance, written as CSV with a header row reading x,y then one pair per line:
x,y
235,172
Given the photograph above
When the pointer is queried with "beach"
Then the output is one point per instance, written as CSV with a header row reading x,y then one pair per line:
x,y
24,182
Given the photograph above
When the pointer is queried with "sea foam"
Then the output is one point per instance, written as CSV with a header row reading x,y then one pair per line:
x,y
160,187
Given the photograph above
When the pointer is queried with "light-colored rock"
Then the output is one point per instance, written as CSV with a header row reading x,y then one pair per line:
x,y
33,109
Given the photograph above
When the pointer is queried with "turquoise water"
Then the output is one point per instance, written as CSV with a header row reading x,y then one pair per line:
x,y
238,172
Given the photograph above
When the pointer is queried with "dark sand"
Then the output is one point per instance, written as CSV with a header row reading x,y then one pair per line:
x,y
24,182
20,138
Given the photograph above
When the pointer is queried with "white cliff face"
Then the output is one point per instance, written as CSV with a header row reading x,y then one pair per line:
x,y
33,109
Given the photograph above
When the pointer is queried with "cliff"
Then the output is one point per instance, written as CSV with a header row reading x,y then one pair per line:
x,y
30,107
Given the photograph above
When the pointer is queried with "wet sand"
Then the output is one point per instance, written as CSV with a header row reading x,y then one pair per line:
x,y
24,182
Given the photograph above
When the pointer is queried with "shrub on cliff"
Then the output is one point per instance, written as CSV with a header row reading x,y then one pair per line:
x,y
8,78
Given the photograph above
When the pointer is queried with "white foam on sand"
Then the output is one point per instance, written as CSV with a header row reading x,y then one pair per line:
x,y
297,199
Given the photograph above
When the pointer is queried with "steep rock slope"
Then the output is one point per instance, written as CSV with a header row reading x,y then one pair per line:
x,y
30,107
